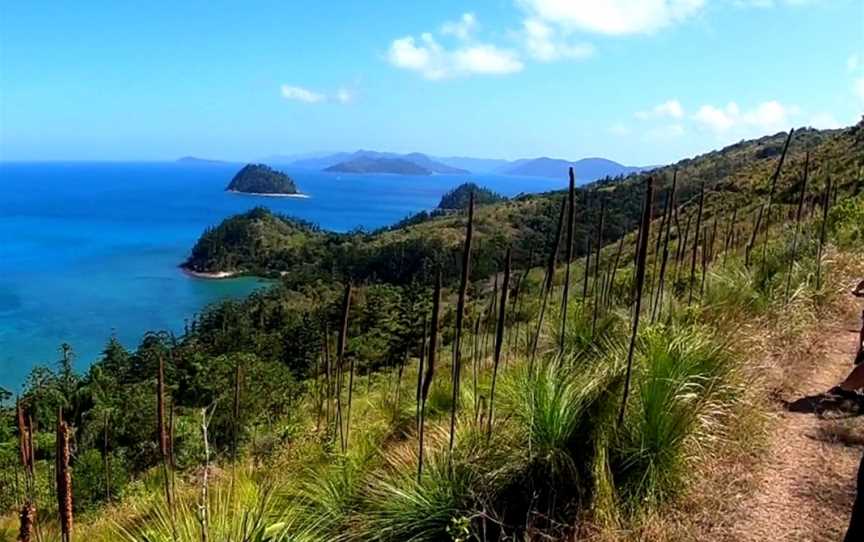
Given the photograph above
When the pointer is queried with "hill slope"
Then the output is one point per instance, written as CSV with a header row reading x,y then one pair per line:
x,y
736,177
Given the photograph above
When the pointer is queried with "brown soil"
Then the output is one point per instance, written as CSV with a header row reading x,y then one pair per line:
x,y
804,485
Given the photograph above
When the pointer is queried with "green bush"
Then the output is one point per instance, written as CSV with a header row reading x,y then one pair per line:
x,y
846,222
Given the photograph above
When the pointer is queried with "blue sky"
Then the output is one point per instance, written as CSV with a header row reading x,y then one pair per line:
x,y
638,81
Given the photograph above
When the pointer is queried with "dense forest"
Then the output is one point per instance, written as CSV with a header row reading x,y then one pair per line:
x,y
546,284
457,199
261,179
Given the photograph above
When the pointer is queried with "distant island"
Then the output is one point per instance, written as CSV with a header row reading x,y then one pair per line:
x,y
395,166
365,161
586,169
196,160
262,180
459,197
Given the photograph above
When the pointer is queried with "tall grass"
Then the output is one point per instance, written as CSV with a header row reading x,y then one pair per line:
x,y
679,394
243,511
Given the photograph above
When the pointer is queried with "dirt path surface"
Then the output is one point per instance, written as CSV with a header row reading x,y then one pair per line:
x,y
805,484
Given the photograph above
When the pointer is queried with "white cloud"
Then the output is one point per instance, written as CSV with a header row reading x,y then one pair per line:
x,y
669,108
767,116
486,59
302,94
853,62
462,28
546,44
429,58
613,17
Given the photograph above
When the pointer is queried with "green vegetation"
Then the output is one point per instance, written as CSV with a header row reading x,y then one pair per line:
x,y
256,391
457,199
261,179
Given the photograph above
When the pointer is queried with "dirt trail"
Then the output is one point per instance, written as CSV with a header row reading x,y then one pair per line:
x,y
805,488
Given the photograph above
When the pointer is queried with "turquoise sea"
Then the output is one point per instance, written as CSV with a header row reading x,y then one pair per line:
x,y
90,249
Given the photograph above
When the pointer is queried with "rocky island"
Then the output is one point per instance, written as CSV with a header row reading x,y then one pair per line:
x,y
262,180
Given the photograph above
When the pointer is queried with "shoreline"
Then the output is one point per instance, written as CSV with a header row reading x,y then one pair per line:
x,y
263,194
208,275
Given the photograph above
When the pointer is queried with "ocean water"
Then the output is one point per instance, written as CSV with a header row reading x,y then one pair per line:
x,y
88,250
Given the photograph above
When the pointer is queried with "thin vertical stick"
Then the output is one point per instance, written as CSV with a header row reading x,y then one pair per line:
x,y
598,295
797,226
499,339
822,232
730,235
204,499
238,375
64,479
460,314
571,216
421,361
547,285
587,272
657,243
160,427
644,231
696,241
430,366
614,270
706,254
657,311
340,353
766,209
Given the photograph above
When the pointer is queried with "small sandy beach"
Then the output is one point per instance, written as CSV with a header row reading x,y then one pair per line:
x,y
205,275
301,196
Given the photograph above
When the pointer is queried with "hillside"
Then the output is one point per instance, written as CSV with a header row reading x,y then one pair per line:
x,y
261,179
321,410
733,177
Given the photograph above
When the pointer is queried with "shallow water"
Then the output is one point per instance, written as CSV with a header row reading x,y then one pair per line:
x,y
91,249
